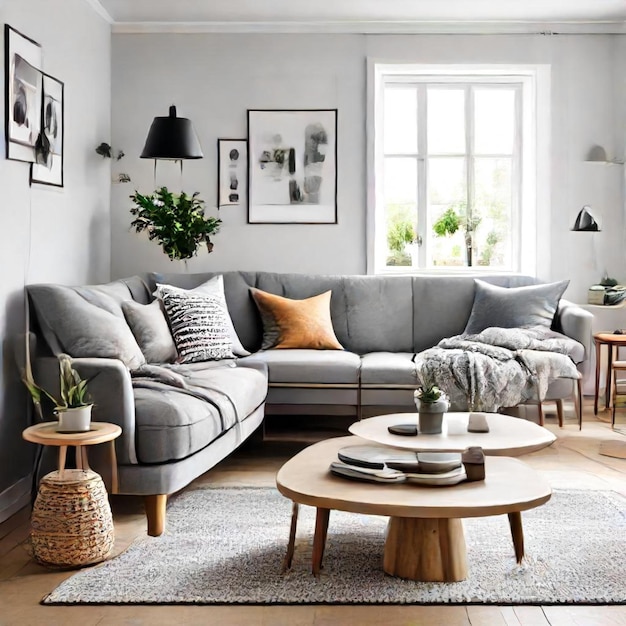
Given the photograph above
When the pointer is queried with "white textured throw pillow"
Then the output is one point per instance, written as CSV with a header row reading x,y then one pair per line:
x,y
199,326
212,287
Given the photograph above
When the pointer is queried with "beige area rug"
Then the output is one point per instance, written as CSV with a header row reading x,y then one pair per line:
x,y
226,546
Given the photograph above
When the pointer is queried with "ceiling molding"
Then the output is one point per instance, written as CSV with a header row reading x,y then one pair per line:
x,y
100,10
373,27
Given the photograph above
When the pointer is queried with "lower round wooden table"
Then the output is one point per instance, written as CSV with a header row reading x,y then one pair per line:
x,y
425,539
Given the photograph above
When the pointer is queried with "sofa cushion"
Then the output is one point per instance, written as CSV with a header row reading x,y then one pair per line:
x,y
212,287
309,366
199,326
378,314
289,324
388,368
171,425
149,326
514,307
86,322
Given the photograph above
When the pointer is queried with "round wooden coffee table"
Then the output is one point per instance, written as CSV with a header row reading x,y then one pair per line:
x,y
425,538
507,436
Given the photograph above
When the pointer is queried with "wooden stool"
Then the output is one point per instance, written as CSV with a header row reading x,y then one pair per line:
x,y
71,521
616,366
610,340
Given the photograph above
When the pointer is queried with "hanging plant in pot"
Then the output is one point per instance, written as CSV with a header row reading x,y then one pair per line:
x,y
176,221
73,408
431,405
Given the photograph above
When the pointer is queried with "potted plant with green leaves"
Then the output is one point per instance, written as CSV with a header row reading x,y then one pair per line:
x,y
455,217
431,403
74,405
176,221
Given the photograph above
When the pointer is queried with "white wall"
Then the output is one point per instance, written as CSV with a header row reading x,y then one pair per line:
x,y
213,79
51,234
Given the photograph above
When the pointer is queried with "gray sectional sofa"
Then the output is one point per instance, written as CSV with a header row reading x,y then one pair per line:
x,y
169,438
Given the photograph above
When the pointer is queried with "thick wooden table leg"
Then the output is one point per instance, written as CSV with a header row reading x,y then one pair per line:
x,y
515,522
425,549
292,537
319,539
155,512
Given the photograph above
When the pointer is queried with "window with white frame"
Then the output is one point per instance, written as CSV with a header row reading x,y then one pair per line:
x,y
450,155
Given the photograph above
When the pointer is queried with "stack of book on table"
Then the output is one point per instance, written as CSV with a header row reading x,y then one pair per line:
x,y
390,465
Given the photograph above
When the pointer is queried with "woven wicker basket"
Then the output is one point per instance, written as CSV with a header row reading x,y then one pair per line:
x,y
71,521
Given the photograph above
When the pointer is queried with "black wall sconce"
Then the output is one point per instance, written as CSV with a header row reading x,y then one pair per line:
x,y
585,222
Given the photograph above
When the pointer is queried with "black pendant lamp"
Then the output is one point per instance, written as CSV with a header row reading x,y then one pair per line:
x,y
585,222
172,138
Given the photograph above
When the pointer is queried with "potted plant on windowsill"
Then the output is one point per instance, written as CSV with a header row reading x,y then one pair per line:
x,y
431,405
73,408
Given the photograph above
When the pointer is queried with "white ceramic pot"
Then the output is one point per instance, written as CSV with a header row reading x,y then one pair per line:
x,y
74,420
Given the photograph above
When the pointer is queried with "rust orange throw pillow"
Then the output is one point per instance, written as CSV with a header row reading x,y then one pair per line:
x,y
291,323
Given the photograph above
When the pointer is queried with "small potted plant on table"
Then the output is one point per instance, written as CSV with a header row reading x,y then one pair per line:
x,y
74,406
431,404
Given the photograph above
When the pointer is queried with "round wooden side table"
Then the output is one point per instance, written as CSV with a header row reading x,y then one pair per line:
x,y
71,523
610,340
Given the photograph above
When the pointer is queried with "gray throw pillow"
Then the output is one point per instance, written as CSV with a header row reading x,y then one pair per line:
x,y
199,326
151,331
85,323
212,287
514,307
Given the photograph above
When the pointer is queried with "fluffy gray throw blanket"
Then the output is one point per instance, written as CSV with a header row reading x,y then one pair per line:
x,y
499,367
186,379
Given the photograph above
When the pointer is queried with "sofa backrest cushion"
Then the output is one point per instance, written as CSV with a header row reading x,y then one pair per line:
x,y
86,321
442,304
515,307
369,313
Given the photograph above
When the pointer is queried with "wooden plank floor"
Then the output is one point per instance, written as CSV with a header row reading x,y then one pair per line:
x,y
573,461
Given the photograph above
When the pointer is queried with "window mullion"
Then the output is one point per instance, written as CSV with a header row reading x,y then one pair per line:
x,y
469,159
516,182
422,175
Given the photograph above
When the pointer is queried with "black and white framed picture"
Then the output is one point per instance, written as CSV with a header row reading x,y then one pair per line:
x,y
48,166
292,166
232,180
23,80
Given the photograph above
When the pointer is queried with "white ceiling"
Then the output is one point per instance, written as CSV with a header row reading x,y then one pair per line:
x,y
365,15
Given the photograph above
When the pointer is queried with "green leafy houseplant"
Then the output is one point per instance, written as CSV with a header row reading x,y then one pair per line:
x,y
176,221
73,388
455,217
431,403
428,395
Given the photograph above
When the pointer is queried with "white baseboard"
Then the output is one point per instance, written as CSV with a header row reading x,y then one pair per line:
x,y
16,497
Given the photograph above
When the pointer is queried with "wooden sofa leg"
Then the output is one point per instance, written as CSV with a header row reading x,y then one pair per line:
x,y
542,421
155,513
